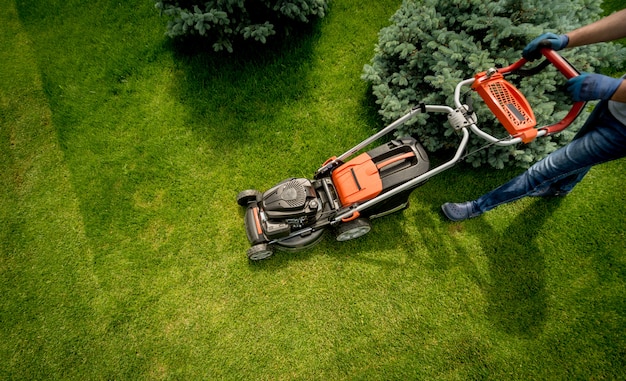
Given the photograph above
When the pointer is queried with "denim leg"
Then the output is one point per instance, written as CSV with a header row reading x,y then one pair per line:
x,y
568,183
601,139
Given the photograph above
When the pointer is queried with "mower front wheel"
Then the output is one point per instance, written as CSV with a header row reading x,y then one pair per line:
x,y
260,252
248,196
353,229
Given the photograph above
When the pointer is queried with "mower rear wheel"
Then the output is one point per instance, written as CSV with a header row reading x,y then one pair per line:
x,y
353,229
260,252
248,196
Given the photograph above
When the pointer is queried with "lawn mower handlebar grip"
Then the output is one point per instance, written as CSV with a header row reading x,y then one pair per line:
x,y
565,68
555,59
560,63
569,72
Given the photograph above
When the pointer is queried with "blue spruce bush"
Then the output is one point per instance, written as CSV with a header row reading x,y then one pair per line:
x,y
431,45
224,22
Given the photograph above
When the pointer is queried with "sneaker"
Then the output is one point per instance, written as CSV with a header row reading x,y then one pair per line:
x,y
460,211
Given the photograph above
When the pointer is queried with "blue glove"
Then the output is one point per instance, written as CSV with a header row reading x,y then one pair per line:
x,y
554,41
591,86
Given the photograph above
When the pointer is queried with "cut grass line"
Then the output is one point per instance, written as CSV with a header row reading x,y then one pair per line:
x,y
42,234
123,251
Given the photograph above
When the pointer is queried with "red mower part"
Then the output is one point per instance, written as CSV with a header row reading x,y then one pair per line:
x,y
357,180
507,103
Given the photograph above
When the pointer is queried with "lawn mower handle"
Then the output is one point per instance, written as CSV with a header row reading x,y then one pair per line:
x,y
461,119
568,71
467,121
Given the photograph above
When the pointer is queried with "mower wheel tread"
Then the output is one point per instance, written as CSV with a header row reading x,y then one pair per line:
x,y
247,196
353,229
260,251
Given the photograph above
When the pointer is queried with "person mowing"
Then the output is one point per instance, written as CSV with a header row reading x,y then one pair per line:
x,y
602,138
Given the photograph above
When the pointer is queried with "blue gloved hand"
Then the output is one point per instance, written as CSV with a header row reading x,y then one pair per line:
x,y
554,41
591,86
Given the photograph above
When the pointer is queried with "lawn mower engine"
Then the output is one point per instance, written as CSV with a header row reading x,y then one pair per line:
x,y
294,214
290,206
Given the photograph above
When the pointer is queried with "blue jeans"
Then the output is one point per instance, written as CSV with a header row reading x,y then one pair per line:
x,y
602,138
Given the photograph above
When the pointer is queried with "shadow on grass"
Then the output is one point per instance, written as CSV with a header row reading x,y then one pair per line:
x,y
517,291
232,98
514,284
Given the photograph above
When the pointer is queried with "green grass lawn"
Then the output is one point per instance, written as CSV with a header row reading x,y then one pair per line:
x,y
123,249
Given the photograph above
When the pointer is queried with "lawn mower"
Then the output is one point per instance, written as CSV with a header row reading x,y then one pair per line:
x,y
344,195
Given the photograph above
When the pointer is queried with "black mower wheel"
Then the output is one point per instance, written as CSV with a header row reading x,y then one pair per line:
x,y
353,229
260,252
248,196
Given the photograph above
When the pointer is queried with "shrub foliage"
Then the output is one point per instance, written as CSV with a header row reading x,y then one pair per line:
x,y
223,22
431,45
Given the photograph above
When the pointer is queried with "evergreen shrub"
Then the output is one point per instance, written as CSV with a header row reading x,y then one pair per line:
x,y
431,45
223,22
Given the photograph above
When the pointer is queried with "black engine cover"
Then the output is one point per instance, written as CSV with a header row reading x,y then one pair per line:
x,y
293,200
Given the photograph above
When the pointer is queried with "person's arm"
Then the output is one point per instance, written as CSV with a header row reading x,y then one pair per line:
x,y
620,93
609,28
587,86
